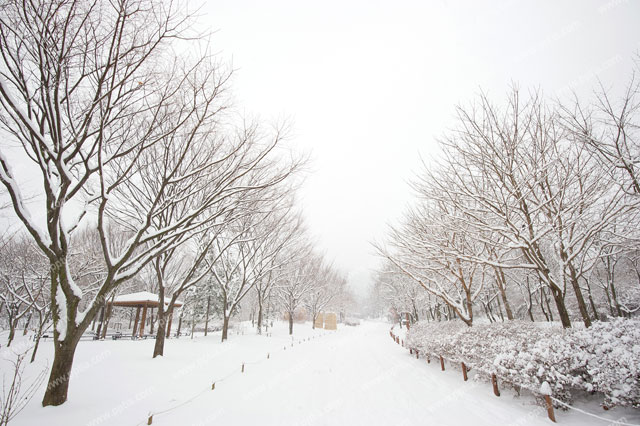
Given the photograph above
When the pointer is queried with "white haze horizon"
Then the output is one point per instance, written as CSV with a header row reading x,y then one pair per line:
x,y
370,86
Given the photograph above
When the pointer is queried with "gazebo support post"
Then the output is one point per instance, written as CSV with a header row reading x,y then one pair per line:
x,y
105,322
144,318
135,323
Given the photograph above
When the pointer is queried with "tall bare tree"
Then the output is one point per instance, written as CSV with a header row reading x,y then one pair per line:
x,y
93,94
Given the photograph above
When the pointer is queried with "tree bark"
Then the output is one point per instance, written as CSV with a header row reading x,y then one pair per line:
x,y
206,321
107,317
225,327
100,321
544,311
562,310
502,281
58,384
12,331
26,326
593,305
179,325
161,332
582,306
259,315
38,336
290,323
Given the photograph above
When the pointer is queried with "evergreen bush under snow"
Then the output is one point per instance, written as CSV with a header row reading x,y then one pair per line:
x,y
603,358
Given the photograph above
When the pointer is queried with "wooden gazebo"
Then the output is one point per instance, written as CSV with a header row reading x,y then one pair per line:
x,y
142,300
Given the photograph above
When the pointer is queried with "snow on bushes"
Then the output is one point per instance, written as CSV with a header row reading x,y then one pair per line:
x,y
603,358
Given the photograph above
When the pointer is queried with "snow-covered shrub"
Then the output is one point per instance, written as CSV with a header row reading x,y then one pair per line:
x,y
613,360
544,355
433,337
603,358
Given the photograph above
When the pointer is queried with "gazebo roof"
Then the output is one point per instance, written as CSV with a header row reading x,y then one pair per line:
x,y
141,298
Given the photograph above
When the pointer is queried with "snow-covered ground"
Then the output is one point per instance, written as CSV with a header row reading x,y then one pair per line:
x,y
356,376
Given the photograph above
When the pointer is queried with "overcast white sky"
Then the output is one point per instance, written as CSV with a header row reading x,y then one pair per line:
x,y
370,85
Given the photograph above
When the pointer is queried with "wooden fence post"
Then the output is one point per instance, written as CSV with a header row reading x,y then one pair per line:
x,y
428,359
150,420
242,371
494,382
464,372
417,354
213,386
441,362
552,416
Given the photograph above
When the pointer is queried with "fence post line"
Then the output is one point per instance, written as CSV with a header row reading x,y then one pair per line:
x,y
464,372
242,371
213,386
150,420
417,354
552,416
441,362
494,382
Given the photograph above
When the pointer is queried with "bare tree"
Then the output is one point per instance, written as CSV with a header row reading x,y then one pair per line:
x,y
23,283
88,90
16,394
513,191
327,285
609,128
279,243
297,279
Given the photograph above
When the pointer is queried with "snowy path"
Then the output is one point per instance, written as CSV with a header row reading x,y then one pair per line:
x,y
357,376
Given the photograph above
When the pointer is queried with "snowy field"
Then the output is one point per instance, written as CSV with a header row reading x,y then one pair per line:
x,y
355,376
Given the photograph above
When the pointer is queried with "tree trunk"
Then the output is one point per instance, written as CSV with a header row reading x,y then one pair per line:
x,y
502,284
206,319
259,316
225,327
500,309
100,321
179,325
26,326
582,306
290,323
12,331
546,301
58,384
38,336
486,312
562,310
158,348
615,299
544,311
106,320
193,322
593,305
